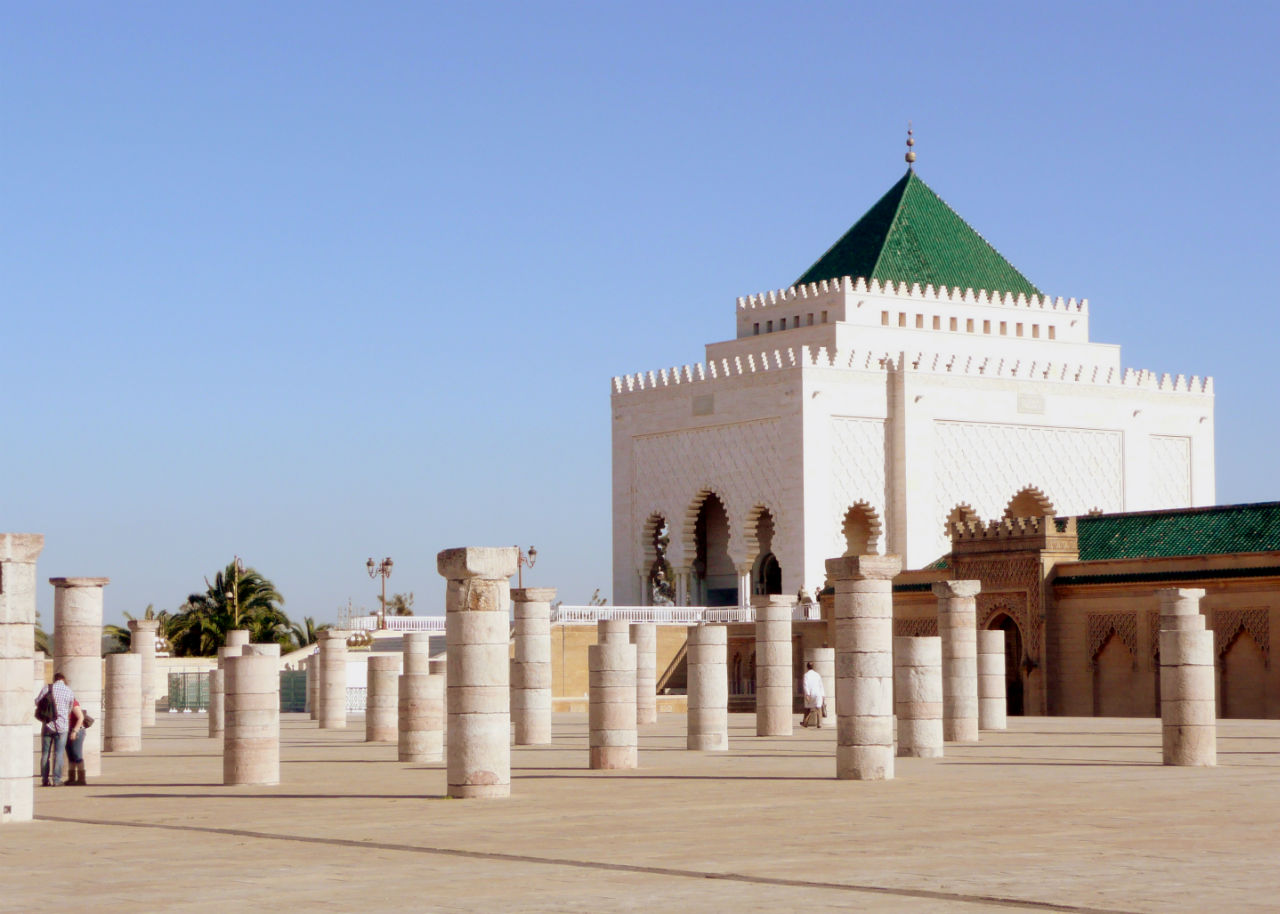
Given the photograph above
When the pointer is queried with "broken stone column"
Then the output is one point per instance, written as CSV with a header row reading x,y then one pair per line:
x,y
142,641
775,675
611,672
613,631
707,664
824,662
644,635
261,650
251,744
77,653
415,649
18,554
311,663
478,699
122,728
917,696
993,706
217,699
236,638
1188,715
382,699
421,718
531,666
864,664
332,713
958,628
37,682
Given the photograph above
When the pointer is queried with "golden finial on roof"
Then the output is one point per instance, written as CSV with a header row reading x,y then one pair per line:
x,y
911,155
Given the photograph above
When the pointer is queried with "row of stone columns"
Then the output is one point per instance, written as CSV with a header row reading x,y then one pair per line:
x,y
531,666
420,721
77,653
18,554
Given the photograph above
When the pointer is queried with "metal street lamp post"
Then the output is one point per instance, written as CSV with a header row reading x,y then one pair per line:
x,y
381,569
524,560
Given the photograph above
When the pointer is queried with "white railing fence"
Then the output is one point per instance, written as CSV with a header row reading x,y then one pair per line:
x,y
589,615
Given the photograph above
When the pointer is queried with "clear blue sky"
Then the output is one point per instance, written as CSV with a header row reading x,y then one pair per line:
x,y
311,282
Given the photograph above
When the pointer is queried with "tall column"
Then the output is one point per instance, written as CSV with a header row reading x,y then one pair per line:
x,y
142,641
682,586
122,729
1187,712
531,667
37,681
217,699
744,586
382,699
611,672
707,665
775,675
251,746
77,653
958,628
333,680
917,691
613,631
18,554
420,726
644,635
477,634
824,663
864,665
311,663
993,706
261,650
236,638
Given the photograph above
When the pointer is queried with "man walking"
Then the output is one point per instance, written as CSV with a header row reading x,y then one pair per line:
x,y
814,697
53,735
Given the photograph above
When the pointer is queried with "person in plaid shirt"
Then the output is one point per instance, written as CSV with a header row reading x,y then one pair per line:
x,y
53,735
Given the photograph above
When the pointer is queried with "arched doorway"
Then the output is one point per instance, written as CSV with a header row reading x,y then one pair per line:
x,y
715,581
1244,678
861,528
659,578
766,573
1030,502
1116,691
1014,679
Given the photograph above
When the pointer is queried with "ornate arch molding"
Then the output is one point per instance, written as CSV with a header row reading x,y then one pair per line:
x,y
688,541
1229,624
1043,506
654,522
1101,626
875,526
963,513
750,541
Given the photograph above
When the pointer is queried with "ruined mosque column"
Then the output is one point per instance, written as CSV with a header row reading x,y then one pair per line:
x,y
382,699
644,635
775,674
478,700
420,727
917,691
958,628
1188,715
251,744
531,666
993,707
236,638
142,641
864,664
707,664
18,554
333,680
611,681
77,653
217,712
311,663
38,680
122,728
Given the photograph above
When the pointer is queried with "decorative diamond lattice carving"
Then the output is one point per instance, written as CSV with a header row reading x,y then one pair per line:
x,y
915,628
1010,585
985,465
1227,623
1101,625
1170,472
858,474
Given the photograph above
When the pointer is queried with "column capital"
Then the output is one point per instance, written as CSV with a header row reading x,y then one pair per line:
x,y
79,582
532,594
331,634
864,567
22,548
1173,596
144,625
490,562
951,589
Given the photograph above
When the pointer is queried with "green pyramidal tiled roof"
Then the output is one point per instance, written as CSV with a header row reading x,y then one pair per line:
x,y
912,236
1192,531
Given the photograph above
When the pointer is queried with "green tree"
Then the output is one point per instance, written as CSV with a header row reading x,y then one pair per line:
x,y
302,634
43,641
398,604
234,599
122,638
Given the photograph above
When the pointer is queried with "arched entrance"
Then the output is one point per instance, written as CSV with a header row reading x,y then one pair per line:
x,y
1244,678
1014,679
766,573
715,582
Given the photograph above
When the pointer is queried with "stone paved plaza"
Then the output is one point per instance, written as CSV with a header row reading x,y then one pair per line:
x,y
1056,814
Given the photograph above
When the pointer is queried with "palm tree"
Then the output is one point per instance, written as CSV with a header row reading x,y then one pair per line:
x,y
302,634
43,641
121,636
237,598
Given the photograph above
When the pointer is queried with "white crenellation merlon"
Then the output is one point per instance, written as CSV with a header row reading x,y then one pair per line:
x,y
864,665
332,689
251,743
917,691
824,664
706,661
217,713
958,628
18,554
833,292
1187,680
77,653
644,635
382,699
421,717
993,706
416,647
142,641
478,697
531,666
775,672
122,701
611,709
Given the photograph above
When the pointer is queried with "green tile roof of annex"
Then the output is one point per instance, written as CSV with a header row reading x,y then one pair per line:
x,y
1188,531
911,235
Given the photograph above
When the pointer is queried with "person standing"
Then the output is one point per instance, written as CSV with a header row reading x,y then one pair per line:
x,y
814,697
53,735
78,721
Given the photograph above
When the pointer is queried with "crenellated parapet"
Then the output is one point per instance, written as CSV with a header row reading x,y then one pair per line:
x,y
1048,533
859,286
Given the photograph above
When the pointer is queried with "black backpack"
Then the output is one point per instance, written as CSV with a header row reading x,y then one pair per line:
x,y
47,707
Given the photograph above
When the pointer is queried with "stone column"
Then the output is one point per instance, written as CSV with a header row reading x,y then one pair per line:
x,y
77,653
611,672
531,667
236,637
311,663
37,682
864,665
824,662
775,675
707,664
142,642
958,628
18,554
682,586
416,650
261,650
251,746
917,691
1188,715
644,635
993,706
478,700
333,680
613,631
744,586
122,728
217,699
421,719
382,699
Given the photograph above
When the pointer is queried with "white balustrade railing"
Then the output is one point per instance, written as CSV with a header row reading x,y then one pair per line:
x,y
395,624
589,615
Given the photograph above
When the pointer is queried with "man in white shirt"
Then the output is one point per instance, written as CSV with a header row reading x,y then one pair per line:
x,y
814,697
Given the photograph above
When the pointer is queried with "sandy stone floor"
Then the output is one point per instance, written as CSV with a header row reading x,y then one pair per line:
x,y
1057,814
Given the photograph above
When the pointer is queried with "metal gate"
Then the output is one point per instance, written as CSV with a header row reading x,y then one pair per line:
x,y
188,691
293,690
